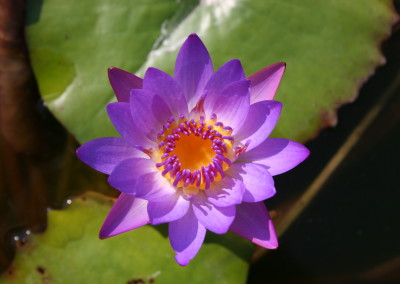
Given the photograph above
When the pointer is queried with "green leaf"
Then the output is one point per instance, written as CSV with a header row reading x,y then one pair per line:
x,y
330,48
70,252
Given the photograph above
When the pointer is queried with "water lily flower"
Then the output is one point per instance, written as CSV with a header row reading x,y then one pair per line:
x,y
194,150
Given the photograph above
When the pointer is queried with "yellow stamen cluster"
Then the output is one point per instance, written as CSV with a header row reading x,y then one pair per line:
x,y
194,153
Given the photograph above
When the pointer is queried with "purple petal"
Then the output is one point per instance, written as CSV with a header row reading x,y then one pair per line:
x,y
168,210
141,178
232,105
254,223
225,192
120,116
228,73
260,122
265,82
256,178
149,112
123,82
186,236
126,174
103,154
154,187
128,213
193,69
214,218
165,86
278,155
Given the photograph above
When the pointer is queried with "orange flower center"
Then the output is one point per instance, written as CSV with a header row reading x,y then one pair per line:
x,y
195,153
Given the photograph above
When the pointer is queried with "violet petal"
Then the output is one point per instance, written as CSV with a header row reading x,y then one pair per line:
x,y
260,122
225,192
128,213
186,236
154,187
214,218
265,82
149,112
256,178
278,155
166,87
141,178
228,73
254,223
123,82
193,69
103,154
232,105
168,210
120,116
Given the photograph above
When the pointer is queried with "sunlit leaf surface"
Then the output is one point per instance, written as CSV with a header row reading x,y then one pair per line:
x,y
330,48
70,252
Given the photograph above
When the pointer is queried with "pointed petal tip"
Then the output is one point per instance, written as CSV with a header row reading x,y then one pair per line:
x,y
127,213
111,71
303,155
193,68
114,69
276,66
282,67
77,151
233,64
254,223
274,245
283,64
182,261
235,61
152,69
80,153
186,236
237,65
193,35
193,43
122,82
103,154
269,244
114,72
306,153
265,82
266,246
278,154
102,235
105,232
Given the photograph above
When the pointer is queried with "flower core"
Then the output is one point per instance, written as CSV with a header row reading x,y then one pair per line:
x,y
195,153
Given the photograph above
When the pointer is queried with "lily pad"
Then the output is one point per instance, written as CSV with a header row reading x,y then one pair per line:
x,y
70,252
330,48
